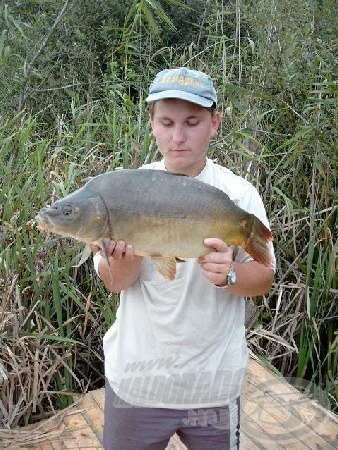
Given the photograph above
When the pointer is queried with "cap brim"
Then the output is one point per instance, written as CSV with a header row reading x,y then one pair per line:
x,y
198,100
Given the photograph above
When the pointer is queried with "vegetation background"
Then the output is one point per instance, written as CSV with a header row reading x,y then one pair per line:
x,y
73,78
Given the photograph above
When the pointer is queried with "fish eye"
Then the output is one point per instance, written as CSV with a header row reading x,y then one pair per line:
x,y
67,210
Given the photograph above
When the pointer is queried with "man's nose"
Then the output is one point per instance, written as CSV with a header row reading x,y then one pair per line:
x,y
178,134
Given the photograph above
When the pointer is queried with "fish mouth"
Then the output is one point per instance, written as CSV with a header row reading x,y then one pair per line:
x,y
45,218
43,222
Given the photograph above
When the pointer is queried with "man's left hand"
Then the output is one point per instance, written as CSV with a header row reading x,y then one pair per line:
x,y
216,264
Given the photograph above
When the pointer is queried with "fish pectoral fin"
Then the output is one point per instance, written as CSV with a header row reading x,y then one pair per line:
x,y
103,244
84,256
166,265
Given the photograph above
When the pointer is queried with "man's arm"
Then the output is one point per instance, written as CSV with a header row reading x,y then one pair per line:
x,y
123,268
252,278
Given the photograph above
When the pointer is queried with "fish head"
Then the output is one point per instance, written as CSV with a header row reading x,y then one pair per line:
x,y
80,215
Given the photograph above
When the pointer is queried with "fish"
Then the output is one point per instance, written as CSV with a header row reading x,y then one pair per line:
x,y
164,216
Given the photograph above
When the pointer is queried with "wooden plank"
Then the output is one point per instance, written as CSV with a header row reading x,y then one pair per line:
x,y
98,396
248,444
262,410
298,421
281,389
79,431
94,415
257,422
40,446
274,415
23,439
261,432
46,446
75,433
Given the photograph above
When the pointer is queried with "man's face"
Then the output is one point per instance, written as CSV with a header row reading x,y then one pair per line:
x,y
183,131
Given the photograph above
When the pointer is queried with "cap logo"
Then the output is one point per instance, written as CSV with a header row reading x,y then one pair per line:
x,y
186,81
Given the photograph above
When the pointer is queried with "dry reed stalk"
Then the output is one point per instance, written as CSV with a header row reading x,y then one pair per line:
x,y
28,364
44,431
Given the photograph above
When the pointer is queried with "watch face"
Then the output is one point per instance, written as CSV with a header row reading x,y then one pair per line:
x,y
231,276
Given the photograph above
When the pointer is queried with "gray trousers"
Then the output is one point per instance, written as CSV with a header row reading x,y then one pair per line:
x,y
128,427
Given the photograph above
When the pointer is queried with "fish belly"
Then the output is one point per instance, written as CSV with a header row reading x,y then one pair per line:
x,y
169,236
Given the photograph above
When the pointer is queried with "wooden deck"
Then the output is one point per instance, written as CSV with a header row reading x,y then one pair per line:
x,y
274,416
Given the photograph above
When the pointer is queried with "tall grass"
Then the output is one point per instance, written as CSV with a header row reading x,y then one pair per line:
x,y
48,306
278,97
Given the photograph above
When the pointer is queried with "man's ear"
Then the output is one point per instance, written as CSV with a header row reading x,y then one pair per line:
x,y
151,121
216,121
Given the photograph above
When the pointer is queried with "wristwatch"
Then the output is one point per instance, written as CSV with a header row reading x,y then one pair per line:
x,y
232,276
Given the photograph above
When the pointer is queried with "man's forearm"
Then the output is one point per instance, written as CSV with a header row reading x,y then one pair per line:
x,y
119,275
252,279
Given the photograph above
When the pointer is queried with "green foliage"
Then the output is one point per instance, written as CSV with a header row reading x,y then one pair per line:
x,y
79,110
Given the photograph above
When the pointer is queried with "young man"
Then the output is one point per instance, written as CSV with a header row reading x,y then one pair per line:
x,y
176,355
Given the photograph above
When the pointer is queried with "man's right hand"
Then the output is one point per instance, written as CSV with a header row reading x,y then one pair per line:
x,y
121,251
118,250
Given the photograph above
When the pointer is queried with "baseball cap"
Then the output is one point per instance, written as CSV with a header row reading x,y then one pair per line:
x,y
186,84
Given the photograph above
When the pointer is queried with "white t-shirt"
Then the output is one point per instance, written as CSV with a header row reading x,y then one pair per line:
x,y
181,344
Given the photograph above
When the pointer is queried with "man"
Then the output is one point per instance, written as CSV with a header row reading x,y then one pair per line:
x,y
176,355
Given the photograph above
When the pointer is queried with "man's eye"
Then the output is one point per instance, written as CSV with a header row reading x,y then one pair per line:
x,y
192,123
166,124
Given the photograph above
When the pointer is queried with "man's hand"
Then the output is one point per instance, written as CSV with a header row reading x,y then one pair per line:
x,y
216,265
119,251
123,267
252,278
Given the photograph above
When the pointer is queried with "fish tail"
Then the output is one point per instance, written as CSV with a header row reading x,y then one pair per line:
x,y
257,244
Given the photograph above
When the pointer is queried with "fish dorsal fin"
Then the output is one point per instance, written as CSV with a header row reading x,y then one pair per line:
x,y
166,265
